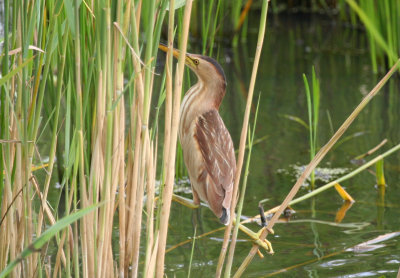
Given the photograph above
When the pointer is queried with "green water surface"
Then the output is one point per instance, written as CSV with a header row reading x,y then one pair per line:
x,y
311,243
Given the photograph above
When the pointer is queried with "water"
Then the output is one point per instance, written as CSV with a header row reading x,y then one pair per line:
x,y
311,244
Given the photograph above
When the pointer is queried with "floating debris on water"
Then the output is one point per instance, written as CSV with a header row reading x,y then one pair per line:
x,y
323,175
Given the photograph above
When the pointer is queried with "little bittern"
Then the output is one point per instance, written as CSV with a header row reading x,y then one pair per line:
x,y
206,143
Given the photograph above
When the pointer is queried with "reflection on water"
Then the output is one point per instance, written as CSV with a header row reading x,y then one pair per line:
x,y
312,244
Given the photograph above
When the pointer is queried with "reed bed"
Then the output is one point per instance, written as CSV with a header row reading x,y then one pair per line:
x,y
80,77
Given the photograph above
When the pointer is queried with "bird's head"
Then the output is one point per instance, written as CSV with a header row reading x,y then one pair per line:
x,y
207,69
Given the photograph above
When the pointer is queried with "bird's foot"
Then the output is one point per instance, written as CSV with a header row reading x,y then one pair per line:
x,y
256,238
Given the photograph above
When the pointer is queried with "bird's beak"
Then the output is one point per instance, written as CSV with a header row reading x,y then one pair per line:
x,y
165,48
175,52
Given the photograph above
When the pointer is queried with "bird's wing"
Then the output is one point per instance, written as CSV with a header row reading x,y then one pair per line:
x,y
216,146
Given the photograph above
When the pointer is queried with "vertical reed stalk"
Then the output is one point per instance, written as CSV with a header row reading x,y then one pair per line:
x,y
241,199
170,166
168,96
243,135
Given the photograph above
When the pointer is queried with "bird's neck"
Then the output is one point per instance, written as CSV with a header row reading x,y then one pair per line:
x,y
204,96
199,99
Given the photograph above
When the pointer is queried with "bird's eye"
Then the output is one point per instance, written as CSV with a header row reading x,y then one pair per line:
x,y
196,61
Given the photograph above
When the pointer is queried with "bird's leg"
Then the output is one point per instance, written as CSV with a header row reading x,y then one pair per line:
x,y
185,201
256,237
196,198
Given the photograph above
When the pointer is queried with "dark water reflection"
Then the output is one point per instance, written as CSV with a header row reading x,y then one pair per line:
x,y
312,244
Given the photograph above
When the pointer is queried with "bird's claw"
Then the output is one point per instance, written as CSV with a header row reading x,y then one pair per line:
x,y
266,243
270,230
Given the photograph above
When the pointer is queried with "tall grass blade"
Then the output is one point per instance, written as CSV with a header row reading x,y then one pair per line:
x,y
12,73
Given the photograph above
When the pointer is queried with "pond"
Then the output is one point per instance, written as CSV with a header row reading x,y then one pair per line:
x,y
314,242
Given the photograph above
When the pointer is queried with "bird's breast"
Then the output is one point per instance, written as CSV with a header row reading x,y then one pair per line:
x,y
190,108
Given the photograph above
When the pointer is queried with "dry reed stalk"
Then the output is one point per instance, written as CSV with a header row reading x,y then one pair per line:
x,y
242,147
84,224
318,157
66,236
132,187
97,171
150,189
169,184
138,14
117,159
119,175
6,225
105,266
139,204
122,193
152,264
168,87
57,263
133,227
122,219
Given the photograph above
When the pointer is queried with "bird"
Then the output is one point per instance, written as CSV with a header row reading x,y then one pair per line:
x,y
207,146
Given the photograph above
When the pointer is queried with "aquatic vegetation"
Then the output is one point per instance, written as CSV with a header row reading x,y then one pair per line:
x,y
313,116
323,175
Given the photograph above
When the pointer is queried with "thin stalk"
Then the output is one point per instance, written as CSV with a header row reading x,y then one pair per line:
x,y
241,198
148,61
168,189
192,252
79,131
380,176
243,135
105,265
168,97
151,176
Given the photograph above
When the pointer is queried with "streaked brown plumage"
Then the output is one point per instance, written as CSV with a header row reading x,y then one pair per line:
x,y
206,143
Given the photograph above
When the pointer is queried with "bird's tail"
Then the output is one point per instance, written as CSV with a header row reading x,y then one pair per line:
x,y
225,216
